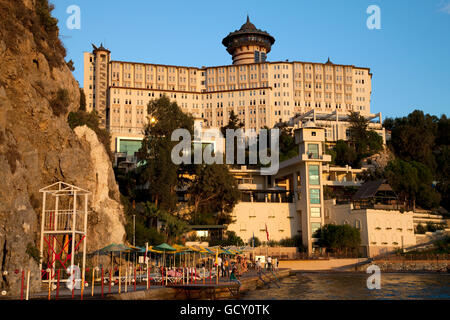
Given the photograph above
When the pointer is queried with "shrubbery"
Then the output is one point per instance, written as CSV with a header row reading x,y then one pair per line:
x,y
254,241
295,241
91,120
15,17
420,229
231,240
337,238
60,103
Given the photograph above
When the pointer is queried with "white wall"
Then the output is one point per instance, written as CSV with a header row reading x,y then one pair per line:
x,y
381,230
251,217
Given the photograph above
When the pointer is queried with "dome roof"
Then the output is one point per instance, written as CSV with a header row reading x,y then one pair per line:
x,y
309,124
248,26
249,29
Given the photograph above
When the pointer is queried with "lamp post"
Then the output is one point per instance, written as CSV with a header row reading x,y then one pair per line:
x,y
134,230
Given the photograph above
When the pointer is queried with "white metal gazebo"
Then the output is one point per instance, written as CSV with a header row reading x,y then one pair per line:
x,y
63,230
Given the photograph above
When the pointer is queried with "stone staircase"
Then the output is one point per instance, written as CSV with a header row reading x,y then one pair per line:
x,y
423,217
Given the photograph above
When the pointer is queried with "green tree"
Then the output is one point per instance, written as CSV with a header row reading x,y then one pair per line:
x,y
413,182
172,227
423,138
213,192
82,100
413,137
442,155
345,155
443,174
158,172
366,142
358,132
231,239
145,224
233,123
288,148
337,238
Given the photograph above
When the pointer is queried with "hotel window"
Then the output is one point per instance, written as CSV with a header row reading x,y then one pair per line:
x,y
314,227
315,212
314,175
313,151
314,197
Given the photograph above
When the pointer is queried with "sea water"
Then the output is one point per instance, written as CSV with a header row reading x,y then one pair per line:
x,y
351,286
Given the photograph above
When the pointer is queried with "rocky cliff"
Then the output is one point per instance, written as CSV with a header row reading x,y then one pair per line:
x,y
37,146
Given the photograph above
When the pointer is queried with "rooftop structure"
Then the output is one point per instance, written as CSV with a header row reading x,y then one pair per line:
x,y
248,44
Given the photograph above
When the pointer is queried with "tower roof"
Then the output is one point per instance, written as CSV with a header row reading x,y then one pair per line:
x,y
248,34
101,48
248,26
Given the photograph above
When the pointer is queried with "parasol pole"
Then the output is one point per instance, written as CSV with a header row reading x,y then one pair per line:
x,y
146,261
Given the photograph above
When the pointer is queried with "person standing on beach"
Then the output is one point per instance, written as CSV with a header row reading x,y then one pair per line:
x,y
225,268
258,265
219,266
269,263
234,277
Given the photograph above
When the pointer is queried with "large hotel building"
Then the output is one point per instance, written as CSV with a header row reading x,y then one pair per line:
x,y
313,98
260,92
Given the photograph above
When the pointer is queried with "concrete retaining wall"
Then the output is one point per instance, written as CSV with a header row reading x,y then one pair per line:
x,y
410,266
321,265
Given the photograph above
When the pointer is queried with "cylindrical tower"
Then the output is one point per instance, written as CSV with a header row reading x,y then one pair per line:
x,y
248,44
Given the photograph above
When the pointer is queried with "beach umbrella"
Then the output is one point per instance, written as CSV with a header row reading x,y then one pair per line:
x,y
111,248
164,247
181,250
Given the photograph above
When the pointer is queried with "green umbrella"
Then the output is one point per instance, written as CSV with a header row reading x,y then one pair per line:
x,y
113,247
164,247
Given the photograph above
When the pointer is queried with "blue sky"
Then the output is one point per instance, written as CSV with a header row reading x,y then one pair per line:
x,y
409,56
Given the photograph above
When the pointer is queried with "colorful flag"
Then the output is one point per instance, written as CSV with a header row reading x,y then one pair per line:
x,y
267,233
253,240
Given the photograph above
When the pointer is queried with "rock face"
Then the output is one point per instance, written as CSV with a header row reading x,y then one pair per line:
x,y
379,160
38,148
105,196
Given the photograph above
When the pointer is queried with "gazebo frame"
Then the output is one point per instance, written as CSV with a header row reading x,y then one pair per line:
x,y
63,223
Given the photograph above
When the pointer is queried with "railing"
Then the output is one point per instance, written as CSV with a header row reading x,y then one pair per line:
x,y
132,130
310,156
328,255
379,204
267,196
62,220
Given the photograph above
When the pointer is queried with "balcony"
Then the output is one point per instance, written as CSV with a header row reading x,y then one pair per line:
x,y
315,157
131,130
342,183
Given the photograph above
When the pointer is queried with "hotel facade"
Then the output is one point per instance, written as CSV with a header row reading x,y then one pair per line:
x,y
261,93
314,99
